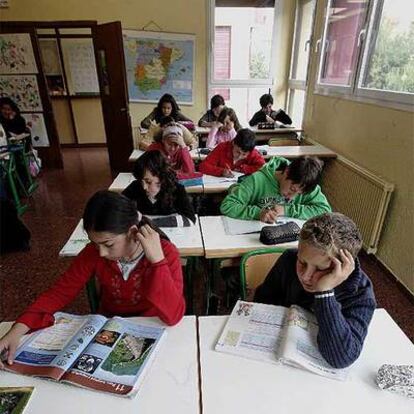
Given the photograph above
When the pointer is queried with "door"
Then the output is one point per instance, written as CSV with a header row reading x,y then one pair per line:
x,y
109,54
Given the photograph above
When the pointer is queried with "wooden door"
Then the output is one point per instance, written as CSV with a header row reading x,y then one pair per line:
x,y
114,93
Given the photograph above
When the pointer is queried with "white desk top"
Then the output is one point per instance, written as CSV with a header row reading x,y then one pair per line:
x,y
123,180
136,153
275,131
171,383
218,244
232,384
188,240
213,185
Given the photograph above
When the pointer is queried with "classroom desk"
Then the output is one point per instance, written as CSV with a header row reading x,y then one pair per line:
x,y
285,151
219,245
123,180
136,153
171,382
235,385
216,185
188,240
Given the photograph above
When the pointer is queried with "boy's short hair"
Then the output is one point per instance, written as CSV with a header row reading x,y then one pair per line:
x,y
265,100
331,232
245,139
305,171
216,101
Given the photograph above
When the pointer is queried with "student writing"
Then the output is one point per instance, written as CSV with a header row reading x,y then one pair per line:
x,y
157,192
223,130
138,271
237,155
325,276
167,106
267,114
279,188
173,148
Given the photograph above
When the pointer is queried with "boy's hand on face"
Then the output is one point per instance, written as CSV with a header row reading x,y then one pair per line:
x,y
268,215
341,269
150,241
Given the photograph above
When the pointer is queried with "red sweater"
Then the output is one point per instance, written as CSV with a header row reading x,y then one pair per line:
x,y
180,161
222,157
151,289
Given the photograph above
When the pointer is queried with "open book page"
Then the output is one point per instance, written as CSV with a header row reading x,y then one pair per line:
x,y
236,226
300,345
254,330
51,351
13,400
212,179
118,357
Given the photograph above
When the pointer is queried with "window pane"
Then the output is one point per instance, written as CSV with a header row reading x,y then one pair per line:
x,y
345,21
296,106
391,65
247,32
303,35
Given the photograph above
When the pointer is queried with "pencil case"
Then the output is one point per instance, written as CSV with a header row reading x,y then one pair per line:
x,y
284,233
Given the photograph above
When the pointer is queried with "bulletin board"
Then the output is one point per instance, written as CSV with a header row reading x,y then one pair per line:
x,y
79,61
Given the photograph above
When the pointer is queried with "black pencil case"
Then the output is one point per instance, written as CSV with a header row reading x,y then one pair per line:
x,y
284,233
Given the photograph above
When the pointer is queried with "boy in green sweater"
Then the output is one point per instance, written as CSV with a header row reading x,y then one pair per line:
x,y
280,188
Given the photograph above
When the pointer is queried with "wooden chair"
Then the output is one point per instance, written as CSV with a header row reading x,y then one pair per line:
x,y
254,267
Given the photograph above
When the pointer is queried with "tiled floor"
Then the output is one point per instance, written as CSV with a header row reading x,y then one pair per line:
x,y
53,213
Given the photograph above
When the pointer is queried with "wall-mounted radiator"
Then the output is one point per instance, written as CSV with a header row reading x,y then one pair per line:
x,y
359,194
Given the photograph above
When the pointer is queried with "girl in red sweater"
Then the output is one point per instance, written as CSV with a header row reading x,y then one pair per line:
x,y
137,269
237,155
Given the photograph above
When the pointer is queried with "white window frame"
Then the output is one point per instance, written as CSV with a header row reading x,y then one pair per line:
x,y
236,83
366,44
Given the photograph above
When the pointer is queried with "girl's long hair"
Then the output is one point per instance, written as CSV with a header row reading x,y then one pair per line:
x,y
156,164
169,99
111,212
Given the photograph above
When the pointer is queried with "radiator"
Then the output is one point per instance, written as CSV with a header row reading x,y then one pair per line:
x,y
360,195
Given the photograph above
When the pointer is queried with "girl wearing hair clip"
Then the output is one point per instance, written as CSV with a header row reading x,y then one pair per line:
x,y
137,268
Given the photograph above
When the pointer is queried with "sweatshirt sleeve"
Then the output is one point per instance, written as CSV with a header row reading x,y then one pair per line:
x,y
163,285
253,163
187,164
63,291
204,118
309,205
257,117
240,202
342,328
183,204
210,165
211,139
146,122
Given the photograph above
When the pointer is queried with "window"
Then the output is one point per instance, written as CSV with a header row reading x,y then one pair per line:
x,y
241,54
298,78
367,50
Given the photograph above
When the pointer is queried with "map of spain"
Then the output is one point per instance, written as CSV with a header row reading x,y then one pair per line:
x,y
158,66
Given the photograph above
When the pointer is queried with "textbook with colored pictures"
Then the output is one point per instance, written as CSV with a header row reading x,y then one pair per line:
x,y
276,334
109,355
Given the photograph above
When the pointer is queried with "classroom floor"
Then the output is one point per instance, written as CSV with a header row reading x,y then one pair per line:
x,y
55,209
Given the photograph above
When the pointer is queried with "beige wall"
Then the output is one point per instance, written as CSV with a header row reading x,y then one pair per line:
x,y
185,16
382,140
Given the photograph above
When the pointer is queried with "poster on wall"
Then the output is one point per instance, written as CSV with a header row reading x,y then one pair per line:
x,y
23,90
16,54
80,59
36,123
159,63
49,55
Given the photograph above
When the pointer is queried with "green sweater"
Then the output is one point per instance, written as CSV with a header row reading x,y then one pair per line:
x,y
261,190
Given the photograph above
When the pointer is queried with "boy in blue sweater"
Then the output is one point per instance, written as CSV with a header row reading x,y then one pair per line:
x,y
324,275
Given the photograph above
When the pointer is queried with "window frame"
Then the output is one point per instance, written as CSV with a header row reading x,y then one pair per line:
x,y
239,83
366,47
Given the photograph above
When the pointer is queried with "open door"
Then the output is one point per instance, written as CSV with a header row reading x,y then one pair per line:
x,y
110,61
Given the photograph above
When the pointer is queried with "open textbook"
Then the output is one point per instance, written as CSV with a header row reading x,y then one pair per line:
x,y
110,355
234,226
278,335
